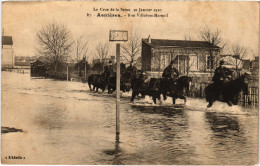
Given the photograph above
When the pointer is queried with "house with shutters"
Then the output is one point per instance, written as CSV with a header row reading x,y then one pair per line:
x,y
7,52
190,57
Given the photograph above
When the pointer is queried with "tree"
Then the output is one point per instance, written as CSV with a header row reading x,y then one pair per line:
x,y
54,42
132,48
81,49
102,52
239,53
214,44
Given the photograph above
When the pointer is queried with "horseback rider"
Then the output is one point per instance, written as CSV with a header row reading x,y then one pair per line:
x,y
170,72
222,74
131,67
108,71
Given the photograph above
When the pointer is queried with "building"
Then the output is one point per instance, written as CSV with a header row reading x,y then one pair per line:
x,y
254,67
233,62
7,52
190,57
38,68
23,60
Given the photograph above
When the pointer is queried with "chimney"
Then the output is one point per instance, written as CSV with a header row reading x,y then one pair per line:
x,y
149,39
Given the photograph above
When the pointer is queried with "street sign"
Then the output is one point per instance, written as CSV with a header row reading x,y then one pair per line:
x,y
118,35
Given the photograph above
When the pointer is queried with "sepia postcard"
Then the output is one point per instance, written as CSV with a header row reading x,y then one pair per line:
x,y
130,82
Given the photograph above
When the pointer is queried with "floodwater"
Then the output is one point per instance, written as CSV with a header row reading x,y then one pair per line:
x,y
64,123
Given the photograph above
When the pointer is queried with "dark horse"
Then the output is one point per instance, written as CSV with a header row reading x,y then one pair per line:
x,y
125,80
230,91
175,89
98,81
125,83
157,86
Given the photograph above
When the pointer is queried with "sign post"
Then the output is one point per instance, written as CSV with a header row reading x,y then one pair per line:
x,y
117,89
118,35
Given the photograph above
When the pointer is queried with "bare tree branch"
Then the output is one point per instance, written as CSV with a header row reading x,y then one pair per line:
x,y
102,51
132,49
54,40
212,39
240,53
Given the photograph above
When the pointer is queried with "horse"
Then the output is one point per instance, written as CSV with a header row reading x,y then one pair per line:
x,y
126,77
157,86
230,91
175,89
125,84
98,81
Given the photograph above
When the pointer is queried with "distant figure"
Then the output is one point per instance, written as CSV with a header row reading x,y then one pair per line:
x,y
170,72
108,71
122,68
131,67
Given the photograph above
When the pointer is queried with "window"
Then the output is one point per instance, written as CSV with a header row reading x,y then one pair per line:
x,y
193,63
250,65
209,61
164,60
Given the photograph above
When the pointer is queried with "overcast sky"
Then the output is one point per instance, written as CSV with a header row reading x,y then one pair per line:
x,y
238,21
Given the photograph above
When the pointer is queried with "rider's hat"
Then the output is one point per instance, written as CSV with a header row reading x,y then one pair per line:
x,y
172,62
221,62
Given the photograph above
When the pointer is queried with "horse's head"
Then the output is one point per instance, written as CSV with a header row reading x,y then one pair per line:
x,y
184,82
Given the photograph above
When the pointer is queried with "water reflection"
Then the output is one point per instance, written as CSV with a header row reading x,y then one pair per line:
x,y
228,139
222,125
116,152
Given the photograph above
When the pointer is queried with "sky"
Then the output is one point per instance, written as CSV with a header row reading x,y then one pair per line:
x,y
238,21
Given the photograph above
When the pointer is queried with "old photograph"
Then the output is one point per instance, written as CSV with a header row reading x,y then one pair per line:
x,y
130,83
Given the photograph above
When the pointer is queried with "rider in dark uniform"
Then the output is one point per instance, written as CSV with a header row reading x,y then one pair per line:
x,y
221,76
108,69
170,72
131,67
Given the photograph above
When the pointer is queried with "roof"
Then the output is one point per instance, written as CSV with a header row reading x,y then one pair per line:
x,y
7,40
38,62
179,43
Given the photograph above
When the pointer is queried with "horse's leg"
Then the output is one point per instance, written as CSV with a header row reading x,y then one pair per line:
x,y
159,98
154,99
89,85
108,89
184,98
210,103
164,96
142,94
133,96
229,103
173,100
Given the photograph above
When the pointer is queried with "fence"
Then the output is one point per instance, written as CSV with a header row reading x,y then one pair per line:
x,y
72,75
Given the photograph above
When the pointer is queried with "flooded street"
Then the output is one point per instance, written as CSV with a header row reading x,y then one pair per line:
x,y
64,123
